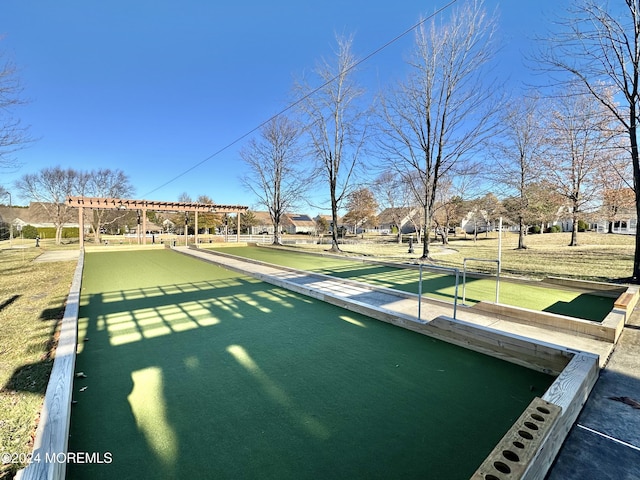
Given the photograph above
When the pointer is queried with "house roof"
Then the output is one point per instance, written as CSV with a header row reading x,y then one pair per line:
x,y
298,219
263,218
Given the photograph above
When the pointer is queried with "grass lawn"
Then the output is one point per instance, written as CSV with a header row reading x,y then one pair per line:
x,y
32,299
436,285
600,257
196,371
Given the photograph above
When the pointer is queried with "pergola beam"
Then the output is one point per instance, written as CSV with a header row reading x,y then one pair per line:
x,y
128,204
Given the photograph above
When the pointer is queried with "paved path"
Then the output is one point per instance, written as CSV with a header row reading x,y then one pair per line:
x,y
58,256
604,443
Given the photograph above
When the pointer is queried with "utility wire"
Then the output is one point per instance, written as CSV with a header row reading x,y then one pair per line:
x,y
302,99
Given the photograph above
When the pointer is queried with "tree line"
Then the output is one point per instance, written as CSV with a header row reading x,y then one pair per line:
x,y
448,130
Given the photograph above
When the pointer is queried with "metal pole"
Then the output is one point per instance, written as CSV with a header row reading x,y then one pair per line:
x,y
498,283
499,245
455,298
464,281
420,294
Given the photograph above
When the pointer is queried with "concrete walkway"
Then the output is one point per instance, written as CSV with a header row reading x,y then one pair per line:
x,y
58,256
604,443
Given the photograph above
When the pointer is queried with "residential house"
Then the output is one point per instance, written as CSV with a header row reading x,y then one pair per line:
x,y
407,217
298,223
263,226
618,212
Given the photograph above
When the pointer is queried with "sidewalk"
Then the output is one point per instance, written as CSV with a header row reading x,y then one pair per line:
x,y
604,443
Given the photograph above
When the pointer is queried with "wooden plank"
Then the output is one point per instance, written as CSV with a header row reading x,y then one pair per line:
x,y
561,323
52,434
535,354
570,392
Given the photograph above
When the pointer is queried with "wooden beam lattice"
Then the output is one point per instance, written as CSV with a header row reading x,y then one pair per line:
x,y
128,204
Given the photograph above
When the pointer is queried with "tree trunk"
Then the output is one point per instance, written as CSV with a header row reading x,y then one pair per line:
x,y
574,232
335,246
521,244
636,186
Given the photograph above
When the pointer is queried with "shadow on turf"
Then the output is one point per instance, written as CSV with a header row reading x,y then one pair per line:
x,y
280,386
585,306
8,302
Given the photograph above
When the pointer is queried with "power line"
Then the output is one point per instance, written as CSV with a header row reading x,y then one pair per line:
x,y
303,98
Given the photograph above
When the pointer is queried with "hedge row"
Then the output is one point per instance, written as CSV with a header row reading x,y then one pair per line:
x,y
29,231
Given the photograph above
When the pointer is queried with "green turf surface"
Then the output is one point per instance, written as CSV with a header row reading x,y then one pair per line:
x,y
197,372
438,285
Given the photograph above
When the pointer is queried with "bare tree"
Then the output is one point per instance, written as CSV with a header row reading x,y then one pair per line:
x,y
448,209
104,183
275,175
394,196
518,157
579,135
439,116
50,188
13,135
335,125
599,47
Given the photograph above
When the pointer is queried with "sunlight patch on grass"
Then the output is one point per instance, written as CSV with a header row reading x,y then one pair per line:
x,y
278,394
352,321
148,407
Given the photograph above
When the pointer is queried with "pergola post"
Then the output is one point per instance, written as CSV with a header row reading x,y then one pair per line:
x,y
144,226
238,229
196,232
81,225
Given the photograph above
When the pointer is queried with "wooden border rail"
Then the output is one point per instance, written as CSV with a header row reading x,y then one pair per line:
x,y
52,435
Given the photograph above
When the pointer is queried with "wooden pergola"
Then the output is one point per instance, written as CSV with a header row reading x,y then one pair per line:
x,y
142,206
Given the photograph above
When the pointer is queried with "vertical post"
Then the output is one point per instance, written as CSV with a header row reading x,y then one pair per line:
x,y
196,232
420,293
138,229
455,297
144,226
499,244
186,229
81,226
238,229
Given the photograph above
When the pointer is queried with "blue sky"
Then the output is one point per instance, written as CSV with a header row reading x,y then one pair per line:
x,y
155,87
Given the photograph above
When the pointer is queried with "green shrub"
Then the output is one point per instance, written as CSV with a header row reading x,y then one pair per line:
x,y
47,232
534,229
582,226
29,231
555,229
71,232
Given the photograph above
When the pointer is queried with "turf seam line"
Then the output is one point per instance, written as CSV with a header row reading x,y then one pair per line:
x,y
609,437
